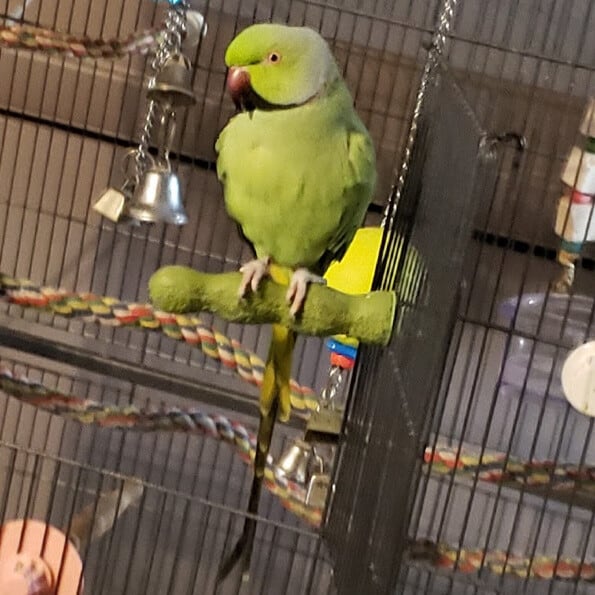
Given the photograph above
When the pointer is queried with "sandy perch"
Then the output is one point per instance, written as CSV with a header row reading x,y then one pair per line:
x,y
367,317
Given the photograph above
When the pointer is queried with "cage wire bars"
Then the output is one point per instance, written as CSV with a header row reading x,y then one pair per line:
x,y
66,124
501,389
430,206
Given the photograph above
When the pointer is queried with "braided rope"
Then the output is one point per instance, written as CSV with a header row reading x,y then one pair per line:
x,y
27,37
497,467
492,467
290,494
112,312
501,562
171,419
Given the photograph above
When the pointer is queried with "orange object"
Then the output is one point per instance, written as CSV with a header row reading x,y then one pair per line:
x,y
38,559
343,362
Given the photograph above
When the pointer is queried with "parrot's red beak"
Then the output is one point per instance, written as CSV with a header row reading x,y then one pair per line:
x,y
238,85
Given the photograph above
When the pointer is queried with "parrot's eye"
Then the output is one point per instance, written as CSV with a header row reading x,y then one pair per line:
x,y
274,57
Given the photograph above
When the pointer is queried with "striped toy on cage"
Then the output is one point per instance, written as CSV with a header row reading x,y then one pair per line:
x,y
574,222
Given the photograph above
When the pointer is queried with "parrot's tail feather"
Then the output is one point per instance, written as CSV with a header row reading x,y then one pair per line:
x,y
241,552
274,401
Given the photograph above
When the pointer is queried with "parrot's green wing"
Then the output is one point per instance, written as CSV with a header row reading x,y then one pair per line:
x,y
358,183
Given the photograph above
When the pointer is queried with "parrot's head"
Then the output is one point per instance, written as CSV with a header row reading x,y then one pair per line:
x,y
278,66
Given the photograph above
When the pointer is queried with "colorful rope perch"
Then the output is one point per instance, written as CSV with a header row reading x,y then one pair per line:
x,y
112,312
26,37
194,421
496,467
171,419
500,562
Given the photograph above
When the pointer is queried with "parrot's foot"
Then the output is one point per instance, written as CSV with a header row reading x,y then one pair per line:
x,y
252,274
296,294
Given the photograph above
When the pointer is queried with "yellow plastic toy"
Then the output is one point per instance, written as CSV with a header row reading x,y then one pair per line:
x,y
355,272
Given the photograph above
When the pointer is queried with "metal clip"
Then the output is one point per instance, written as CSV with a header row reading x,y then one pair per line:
x,y
317,490
324,424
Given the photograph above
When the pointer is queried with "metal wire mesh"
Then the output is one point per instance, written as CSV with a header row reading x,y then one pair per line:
x,y
173,535
392,395
501,388
483,374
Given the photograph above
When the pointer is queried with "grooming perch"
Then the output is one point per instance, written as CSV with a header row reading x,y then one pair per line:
x,y
298,172
367,317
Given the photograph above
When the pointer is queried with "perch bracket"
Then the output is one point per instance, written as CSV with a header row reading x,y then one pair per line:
x,y
324,425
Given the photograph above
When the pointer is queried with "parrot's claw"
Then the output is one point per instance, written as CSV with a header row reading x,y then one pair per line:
x,y
252,274
296,293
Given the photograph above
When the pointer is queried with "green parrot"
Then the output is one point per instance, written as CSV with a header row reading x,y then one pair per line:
x,y
298,171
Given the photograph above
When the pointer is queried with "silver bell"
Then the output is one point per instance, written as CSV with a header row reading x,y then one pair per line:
x,y
298,463
158,197
172,85
111,204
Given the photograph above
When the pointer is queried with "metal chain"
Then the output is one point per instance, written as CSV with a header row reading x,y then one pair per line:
x,y
336,376
175,28
435,52
173,34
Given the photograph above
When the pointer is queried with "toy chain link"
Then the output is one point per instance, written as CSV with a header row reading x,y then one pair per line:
x,y
112,312
174,30
291,495
335,380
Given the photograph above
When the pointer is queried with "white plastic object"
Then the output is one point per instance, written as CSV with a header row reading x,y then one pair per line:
x,y
579,172
533,366
578,225
578,378
195,29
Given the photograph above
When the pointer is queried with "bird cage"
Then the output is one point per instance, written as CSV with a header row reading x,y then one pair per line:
x,y
463,459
